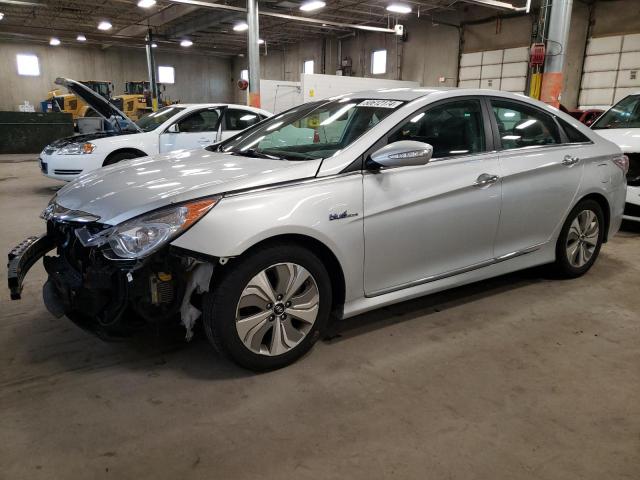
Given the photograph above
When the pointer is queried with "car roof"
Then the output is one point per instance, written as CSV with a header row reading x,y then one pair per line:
x,y
211,105
409,93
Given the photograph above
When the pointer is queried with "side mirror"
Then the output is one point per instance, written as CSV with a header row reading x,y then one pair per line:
x,y
404,153
173,129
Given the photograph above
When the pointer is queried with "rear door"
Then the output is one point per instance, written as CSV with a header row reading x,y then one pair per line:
x,y
541,172
193,130
426,222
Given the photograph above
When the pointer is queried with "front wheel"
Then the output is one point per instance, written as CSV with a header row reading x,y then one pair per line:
x,y
268,308
580,239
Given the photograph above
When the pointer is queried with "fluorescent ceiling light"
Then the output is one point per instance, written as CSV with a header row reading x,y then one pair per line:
x,y
146,3
240,27
338,114
526,123
312,5
186,43
1,15
399,8
260,41
154,45
54,41
81,38
104,25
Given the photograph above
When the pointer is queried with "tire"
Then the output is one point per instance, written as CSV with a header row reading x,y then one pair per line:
x,y
244,326
119,156
579,237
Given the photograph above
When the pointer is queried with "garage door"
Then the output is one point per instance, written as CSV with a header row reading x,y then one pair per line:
x,y
611,70
495,69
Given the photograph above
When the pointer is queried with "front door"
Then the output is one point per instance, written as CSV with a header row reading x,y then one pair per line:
x,y
423,223
194,130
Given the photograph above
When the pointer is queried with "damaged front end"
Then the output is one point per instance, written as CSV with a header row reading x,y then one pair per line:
x,y
98,279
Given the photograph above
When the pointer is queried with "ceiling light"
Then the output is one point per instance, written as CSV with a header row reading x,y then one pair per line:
x,y
240,27
104,25
54,41
1,15
81,38
154,45
186,43
399,8
312,5
146,3
260,41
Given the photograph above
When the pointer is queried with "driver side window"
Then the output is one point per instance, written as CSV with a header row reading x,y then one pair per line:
x,y
201,121
454,128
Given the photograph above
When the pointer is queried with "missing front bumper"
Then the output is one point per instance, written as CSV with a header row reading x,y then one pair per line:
x,y
22,257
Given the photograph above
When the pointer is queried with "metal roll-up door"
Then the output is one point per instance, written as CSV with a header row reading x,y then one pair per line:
x,y
495,69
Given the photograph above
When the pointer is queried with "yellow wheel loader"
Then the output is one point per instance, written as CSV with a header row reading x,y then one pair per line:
x,y
69,103
137,99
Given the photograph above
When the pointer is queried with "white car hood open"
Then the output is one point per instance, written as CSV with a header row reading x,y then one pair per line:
x,y
133,187
628,139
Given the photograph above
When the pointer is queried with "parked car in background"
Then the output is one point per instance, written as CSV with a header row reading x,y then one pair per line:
x,y
586,116
341,205
621,125
175,127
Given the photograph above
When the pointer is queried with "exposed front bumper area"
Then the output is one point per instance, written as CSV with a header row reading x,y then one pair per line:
x,y
109,296
67,167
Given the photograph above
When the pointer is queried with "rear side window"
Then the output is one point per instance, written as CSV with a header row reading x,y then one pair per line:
x,y
573,134
522,126
202,121
453,128
240,119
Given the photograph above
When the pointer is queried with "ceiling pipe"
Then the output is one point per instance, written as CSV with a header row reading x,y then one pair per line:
x,y
501,5
204,4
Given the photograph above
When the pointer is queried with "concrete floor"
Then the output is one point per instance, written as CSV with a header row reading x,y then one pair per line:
x,y
520,377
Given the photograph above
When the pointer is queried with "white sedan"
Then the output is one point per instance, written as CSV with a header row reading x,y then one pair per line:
x,y
176,127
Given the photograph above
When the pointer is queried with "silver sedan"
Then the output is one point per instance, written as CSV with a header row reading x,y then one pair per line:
x,y
328,210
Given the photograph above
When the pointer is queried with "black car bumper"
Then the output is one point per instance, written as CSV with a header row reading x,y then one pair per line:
x,y
23,257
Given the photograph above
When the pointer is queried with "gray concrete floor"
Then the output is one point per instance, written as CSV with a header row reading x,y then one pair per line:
x,y
520,377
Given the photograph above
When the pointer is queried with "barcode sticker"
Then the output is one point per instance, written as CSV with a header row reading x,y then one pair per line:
x,y
380,103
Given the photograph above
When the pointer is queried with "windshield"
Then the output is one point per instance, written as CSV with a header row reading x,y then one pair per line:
x,y
624,114
312,131
154,120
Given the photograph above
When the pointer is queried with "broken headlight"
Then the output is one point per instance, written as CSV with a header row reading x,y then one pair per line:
x,y
143,235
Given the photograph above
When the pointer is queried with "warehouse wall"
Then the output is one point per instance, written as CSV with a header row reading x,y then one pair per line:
x,y
198,78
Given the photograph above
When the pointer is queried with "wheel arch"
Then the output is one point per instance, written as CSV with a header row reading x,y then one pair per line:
x,y
135,151
326,255
606,211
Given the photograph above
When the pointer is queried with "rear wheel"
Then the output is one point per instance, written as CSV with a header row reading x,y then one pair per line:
x,y
580,239
269,308
119,156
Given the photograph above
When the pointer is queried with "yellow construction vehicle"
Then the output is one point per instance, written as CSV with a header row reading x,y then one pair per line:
x,y
69,103
137,101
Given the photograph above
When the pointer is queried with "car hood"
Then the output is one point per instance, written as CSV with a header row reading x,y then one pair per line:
x,y
104,107
87,137
127,189
628,139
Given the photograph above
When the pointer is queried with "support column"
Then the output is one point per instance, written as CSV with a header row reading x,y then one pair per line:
x,y
557,45
151,66
253,36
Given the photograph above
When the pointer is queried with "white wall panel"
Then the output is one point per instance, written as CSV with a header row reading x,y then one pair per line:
x,y
516,55
515,84
491,71
514,69
596,96
492,57
471,59
601,63
630,60
490,83
623,92
470,73
469,84
599,79
628,78
599,46
631,43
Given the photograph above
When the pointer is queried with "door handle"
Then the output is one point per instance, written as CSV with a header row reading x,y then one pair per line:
x,y
486,179
570,160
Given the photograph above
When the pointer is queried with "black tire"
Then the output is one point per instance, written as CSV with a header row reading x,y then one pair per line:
x,y
563,266
119,156
219,306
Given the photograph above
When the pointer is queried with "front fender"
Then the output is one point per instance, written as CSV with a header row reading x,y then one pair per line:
x,y
328,210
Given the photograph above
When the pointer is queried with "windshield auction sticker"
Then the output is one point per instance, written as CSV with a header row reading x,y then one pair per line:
x,y
380,103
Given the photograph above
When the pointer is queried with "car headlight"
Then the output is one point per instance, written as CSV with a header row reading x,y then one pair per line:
x,y
141,236
77,149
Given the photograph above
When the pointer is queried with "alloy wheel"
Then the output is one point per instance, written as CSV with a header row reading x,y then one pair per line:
x,y
582,238
277,309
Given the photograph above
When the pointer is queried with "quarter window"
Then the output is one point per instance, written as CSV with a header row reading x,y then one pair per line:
x,y
573,134
454,128
522,126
